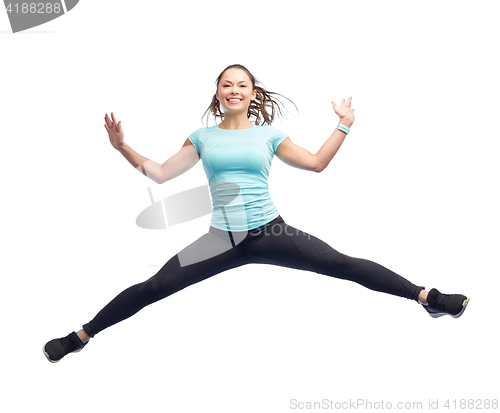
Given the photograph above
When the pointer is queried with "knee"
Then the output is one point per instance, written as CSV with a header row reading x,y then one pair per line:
x,y
340,265
153,288
346,265
160,286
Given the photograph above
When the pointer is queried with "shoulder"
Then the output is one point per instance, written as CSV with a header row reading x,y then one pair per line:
x,y
274,136
271,130
198,133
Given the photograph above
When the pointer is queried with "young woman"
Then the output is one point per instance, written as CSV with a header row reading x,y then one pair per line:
x,y
245,225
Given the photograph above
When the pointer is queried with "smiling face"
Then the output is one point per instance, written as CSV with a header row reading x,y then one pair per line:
x,y
235,91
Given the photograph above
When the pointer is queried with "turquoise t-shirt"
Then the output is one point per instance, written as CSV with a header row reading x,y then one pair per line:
x,y
237,164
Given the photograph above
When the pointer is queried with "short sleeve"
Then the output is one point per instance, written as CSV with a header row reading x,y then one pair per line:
x,y
277,136
195,139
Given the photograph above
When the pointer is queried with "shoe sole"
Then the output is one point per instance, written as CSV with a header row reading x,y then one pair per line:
x,y
47,354
464,306
56,361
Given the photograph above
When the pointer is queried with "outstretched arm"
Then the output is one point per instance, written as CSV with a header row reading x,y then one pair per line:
x,y
298,157
176,165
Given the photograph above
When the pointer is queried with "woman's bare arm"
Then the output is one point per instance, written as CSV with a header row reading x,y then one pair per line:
x,y
298,157
176,165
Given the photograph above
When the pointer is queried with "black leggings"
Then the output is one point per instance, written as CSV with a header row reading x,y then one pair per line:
x,y
273,243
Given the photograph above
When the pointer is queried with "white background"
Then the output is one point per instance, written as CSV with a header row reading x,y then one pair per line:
x,y
414,188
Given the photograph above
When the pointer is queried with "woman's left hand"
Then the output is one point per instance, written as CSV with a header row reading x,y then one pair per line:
x,y
346,114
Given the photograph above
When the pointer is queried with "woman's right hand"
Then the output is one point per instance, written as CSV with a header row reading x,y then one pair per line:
x,y
114,130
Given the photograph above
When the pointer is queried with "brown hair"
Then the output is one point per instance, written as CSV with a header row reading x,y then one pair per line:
x,y
265,104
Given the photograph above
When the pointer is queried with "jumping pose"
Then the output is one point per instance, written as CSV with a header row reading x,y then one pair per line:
x,y
245,225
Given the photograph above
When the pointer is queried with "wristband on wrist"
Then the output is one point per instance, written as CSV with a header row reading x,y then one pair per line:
x,y
343,128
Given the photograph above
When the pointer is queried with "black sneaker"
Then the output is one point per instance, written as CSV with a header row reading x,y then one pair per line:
x,y
445,304
56,349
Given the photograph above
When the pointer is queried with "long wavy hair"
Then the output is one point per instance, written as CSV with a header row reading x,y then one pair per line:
x,y
263,108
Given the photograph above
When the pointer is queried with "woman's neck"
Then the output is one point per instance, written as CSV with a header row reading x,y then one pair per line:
x,y
235,122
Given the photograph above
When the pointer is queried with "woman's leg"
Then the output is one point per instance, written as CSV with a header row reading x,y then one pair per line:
x,y
211,254
214,252
284,245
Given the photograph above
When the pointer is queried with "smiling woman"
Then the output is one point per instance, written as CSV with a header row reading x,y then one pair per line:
x,y
236,82
246,227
